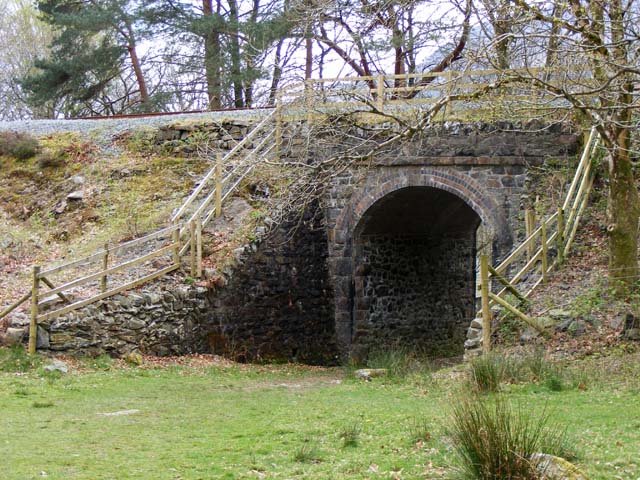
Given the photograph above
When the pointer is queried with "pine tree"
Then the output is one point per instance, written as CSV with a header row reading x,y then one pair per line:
x,y
96,40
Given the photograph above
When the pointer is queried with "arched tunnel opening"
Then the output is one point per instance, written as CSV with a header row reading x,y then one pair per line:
x,y
414,273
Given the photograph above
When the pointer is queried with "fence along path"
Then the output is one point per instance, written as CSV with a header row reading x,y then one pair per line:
x,y
117,268
544,248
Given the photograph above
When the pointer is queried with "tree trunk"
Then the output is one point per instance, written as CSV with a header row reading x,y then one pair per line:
x,y
623,212
212,61
142,84
236,67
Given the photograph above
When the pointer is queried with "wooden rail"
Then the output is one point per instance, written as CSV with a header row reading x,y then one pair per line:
x,y
530,259
313,100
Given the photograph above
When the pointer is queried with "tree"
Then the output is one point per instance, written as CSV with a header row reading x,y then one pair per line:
x,y
598,45
94,37
23,40
225,43
393,37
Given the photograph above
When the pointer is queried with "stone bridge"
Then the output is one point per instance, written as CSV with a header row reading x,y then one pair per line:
x,y
390,260
403,239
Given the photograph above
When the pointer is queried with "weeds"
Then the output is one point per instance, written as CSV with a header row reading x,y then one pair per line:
x,y
43,404
307,453
495,440
350,435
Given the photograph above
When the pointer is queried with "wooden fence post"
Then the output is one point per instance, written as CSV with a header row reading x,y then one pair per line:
x,y
545,259
192,246
219,184
176,245
530,226
308,100
278,131
380,93
33,325
560,237
199,249
486,310
105,266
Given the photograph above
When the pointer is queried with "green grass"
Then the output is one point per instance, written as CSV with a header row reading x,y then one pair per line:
x,y
279,422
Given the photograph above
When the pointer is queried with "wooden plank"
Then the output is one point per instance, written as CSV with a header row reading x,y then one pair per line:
x,y
114,269
523,246
211,172
581,165
144,239
108,293
63,297
100,253
582,191
15,305
75,263
522,316
574,227
508,286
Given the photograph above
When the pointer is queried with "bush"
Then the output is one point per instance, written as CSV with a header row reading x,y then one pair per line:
x,y
18,145
494,440
487,372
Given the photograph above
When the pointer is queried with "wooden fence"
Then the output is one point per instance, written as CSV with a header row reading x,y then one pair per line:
x,y
308,102
530,262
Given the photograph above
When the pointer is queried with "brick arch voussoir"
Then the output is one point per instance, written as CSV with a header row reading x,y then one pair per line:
x,y
456,183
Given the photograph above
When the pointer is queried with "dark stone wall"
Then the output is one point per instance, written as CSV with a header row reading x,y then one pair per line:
x,y
413,291
279,303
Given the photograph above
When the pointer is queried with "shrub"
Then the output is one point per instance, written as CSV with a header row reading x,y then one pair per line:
x,y
18,145
487,372
494,440
16,359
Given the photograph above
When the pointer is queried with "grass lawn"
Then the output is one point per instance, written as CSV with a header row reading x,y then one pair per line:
x,y
289,422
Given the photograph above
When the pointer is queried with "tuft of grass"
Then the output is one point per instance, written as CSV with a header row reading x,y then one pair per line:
x,y
398,361
495,440
554,382
306,453
43,404
487,372
350,435
16,359
419,430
